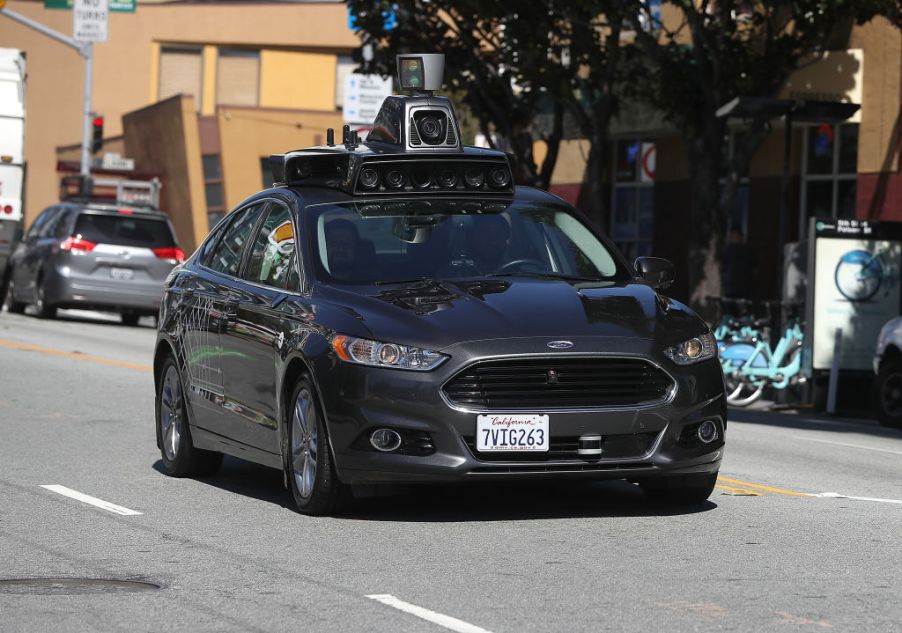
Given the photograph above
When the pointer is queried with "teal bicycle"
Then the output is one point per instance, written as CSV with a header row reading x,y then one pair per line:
x,y
751,366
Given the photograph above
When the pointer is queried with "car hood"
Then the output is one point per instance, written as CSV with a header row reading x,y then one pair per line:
x,y
438,314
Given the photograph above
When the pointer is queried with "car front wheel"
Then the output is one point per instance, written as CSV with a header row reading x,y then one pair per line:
x,y
888,394
180,457
314,486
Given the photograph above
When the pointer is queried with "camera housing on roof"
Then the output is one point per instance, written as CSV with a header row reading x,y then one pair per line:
x,y
414,148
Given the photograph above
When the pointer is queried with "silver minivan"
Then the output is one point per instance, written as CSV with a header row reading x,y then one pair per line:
x,y
93,256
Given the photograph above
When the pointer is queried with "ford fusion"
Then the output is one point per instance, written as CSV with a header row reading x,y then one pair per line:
x,y
396,311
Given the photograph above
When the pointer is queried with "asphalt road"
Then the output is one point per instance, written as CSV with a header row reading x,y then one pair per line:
x,y
229,554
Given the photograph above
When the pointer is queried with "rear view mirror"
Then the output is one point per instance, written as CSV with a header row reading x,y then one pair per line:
x,y
657,272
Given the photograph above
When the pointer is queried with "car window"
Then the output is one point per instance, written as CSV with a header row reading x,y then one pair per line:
x,y
59,226
448,239
273,253
226,255
40,223
124,230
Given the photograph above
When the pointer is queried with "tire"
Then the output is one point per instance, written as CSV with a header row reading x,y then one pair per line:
x,y
130,319
888,394
311,476
9,300
680,489
44,310
180,457
743,393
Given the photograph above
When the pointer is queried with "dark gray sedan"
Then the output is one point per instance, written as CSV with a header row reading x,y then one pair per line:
x,y
93,256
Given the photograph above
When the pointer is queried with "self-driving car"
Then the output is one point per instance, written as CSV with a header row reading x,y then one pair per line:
x,y
396,311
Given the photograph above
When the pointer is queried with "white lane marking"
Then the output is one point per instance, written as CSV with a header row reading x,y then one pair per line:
x,y
867,448
836,495
431,616
94,501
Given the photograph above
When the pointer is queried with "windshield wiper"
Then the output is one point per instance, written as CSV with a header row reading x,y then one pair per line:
x,y
387,282
548,275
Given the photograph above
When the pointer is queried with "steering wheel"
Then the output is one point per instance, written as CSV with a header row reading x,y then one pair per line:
x,y
516,263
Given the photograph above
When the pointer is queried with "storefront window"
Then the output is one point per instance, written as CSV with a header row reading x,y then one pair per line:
x,y
830,166
632,222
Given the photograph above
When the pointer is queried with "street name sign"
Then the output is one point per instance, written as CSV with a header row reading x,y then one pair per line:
x,y
90,19
122,6
363,96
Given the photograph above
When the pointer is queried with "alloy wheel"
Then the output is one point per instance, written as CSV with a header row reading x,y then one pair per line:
x,y
304,443
171,407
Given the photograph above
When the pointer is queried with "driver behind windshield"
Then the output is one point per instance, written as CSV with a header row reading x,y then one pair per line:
x,y
489,243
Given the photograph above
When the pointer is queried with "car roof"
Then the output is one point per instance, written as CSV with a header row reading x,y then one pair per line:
x,y
117,209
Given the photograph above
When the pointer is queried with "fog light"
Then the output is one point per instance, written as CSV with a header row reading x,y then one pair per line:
x,y
707,431
385,440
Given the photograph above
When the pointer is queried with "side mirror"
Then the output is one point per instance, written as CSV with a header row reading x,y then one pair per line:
x,y
656,271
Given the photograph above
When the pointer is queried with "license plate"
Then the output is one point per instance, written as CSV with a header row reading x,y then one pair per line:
x,y
122,273
512,432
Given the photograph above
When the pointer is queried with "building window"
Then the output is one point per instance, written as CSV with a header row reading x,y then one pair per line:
x,y
632,221
830,170
238,77
181,72
213,189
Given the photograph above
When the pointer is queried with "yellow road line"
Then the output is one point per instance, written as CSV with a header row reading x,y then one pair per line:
x,y
779,491
743,491
100,360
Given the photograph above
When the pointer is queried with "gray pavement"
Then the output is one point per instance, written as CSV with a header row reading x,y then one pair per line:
x,y
76,409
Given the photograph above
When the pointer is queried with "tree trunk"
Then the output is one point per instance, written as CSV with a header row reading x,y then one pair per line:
x,y
705,215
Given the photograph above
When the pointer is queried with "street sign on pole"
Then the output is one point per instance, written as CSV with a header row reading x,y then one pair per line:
x,y
89,20
124,6
363,96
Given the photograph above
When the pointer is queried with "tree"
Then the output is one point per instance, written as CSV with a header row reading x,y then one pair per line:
x,y
718,51
492,61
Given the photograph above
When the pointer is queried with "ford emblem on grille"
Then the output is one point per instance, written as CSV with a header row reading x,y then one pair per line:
x,y
559,344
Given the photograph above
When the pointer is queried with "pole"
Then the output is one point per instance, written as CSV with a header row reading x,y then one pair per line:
x,y
86,124
84,49
784,199
833,383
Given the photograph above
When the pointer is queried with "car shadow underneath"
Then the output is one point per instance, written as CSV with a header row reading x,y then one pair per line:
x,y
442,503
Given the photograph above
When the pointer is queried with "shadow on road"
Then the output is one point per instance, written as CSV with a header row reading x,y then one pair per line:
x,y
784,420
460,503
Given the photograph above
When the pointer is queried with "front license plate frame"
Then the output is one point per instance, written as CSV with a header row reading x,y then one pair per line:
x,y
513,433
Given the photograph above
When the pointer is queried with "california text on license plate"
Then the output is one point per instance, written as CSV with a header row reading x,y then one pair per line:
x,y
122,273
512,432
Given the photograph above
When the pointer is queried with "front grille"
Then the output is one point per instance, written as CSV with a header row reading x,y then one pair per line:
x,y
557,383
629,446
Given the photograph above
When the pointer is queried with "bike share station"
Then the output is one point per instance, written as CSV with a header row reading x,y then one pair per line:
x,y
846,287
854,272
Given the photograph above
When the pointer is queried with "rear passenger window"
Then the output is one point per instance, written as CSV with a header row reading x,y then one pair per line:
x,y
40,225
226,255
124,230
272,257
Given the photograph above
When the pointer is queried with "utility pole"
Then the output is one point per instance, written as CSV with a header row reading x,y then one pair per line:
x,y
86,50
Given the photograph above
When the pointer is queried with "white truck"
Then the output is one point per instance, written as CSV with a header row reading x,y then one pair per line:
x,y
12,154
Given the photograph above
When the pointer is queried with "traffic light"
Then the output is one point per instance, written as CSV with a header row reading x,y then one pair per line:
x,y
97,138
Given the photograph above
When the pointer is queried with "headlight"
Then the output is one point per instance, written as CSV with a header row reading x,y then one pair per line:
x,y
391,355
694,350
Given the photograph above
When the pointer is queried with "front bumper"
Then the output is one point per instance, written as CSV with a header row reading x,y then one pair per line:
x,y
359,399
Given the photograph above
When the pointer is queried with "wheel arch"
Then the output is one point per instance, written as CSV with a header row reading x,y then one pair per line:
x,y
891,354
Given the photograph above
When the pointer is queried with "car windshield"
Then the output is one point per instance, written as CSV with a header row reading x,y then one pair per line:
x,y
124,230
396,241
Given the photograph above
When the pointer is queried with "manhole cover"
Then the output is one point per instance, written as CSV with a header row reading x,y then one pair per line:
x,y
66,586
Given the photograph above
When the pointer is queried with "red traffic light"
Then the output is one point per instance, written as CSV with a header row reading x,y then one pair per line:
x,y
98,121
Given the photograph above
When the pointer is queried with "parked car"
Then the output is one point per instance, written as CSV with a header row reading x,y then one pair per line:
x,y
93,256
887,395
